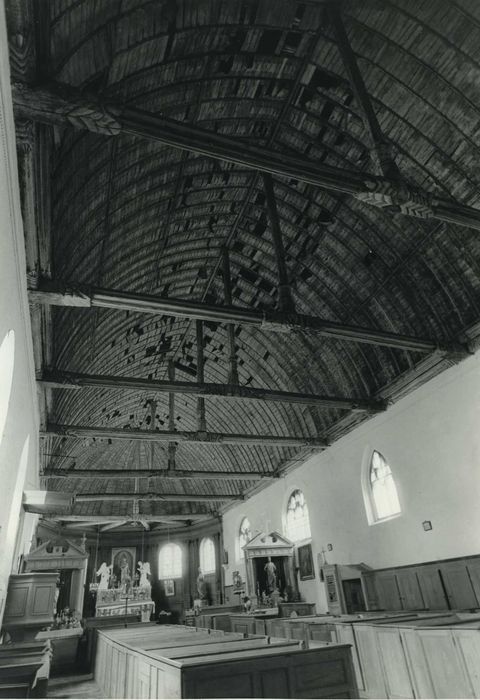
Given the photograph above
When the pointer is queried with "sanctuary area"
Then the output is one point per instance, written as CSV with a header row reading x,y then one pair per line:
x,y
239,348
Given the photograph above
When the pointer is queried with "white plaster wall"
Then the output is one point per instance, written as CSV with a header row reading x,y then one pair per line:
x,y
432,441
22,417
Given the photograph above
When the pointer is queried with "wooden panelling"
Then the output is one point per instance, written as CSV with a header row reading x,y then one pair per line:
x,y
388,592
432,589
398,682
409,589
458,585
369,661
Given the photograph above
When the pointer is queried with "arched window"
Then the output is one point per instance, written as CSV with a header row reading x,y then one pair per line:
x,y
384,497
244,536
207,556
297,521
7,358
170,561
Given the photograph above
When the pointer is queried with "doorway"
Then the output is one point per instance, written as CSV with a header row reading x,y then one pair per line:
x,y
353,594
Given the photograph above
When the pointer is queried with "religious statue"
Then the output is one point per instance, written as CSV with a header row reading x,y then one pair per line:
x,y
201,586
104,573
271,571
124,572
144,570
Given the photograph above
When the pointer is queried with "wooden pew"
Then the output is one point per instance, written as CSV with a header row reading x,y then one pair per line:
x,y
205,666
24,669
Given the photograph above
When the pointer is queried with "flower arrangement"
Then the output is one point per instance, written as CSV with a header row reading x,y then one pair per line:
x,y
66,619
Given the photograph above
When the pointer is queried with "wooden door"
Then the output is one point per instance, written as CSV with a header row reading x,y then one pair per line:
x,y
409,588
432,589
388,593
458,585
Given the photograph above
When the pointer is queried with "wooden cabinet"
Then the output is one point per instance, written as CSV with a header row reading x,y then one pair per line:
x,y
458,586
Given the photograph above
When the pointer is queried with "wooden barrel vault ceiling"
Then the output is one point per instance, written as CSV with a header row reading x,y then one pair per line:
x,y
250,225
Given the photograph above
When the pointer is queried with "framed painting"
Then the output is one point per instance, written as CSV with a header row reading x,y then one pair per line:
x,y
123,564
305,562
169,585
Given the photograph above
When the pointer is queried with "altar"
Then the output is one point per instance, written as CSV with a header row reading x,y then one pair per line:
x,y
114,601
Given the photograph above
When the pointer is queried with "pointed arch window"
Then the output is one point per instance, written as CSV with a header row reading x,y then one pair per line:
x,y
384,496
297,520
207,556
170,561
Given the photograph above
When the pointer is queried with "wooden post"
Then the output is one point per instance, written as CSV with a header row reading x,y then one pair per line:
x,y
285,298
227,288
202,423
172,446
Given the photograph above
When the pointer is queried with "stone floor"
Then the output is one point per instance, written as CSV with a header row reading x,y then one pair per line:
x,y
74,686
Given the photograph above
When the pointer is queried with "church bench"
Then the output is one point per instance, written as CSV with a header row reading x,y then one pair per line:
x,y
90,626
192,651
428,655
25,675
245,667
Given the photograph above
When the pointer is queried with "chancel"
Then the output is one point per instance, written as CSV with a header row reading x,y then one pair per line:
x,y
239,348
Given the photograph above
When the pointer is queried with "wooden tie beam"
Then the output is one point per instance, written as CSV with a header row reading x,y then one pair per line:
x,y
274,321
72,380
79,431
63,106
180,497
182,475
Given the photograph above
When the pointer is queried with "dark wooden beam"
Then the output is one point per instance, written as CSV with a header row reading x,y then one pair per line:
x,y
172,446
65,106
285,297
94,519
227,290
182,475
178,497
274,321
80,431
380,143
201,418
74,381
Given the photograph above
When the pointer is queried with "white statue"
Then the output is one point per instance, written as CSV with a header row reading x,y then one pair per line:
x,y
144,570
104,573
